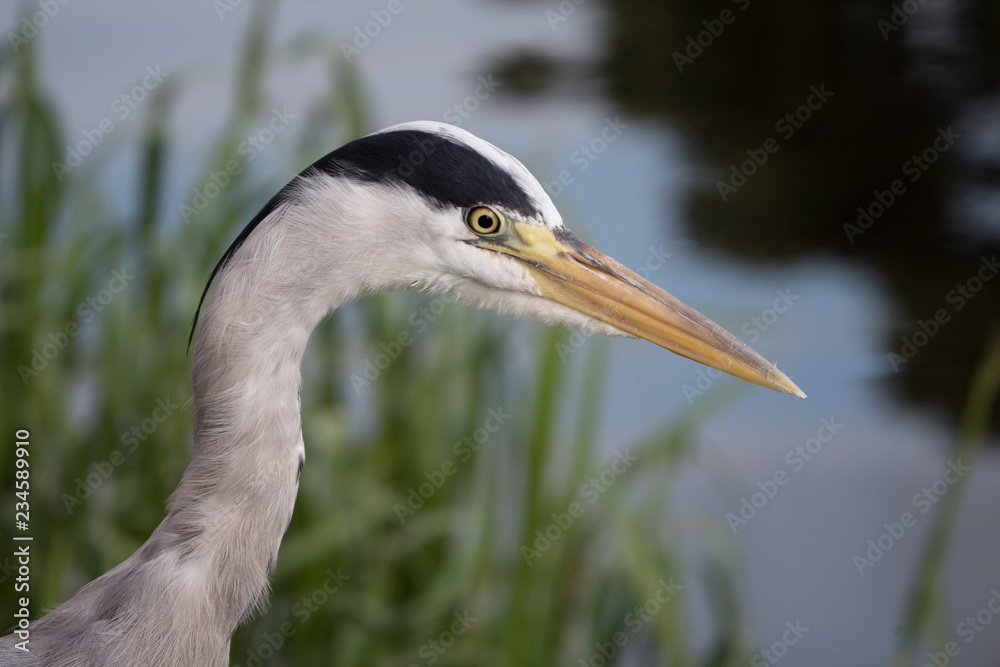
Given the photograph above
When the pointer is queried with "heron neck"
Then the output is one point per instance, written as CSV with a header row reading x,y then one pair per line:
x,y
236,498
179,598
230,511
234,503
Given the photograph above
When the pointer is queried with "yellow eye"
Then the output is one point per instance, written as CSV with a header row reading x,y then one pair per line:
x,y
483,220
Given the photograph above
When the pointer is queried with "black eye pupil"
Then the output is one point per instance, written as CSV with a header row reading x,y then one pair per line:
x,y
483,220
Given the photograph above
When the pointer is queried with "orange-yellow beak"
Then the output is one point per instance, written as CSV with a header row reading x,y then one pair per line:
x,y
576,275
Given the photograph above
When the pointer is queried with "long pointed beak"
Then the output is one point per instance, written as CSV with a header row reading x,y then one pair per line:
x,y
576,275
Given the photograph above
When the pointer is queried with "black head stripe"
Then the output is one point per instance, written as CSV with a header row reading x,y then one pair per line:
x,y
446,172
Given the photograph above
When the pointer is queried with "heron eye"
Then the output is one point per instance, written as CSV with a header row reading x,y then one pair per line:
x,y
483,220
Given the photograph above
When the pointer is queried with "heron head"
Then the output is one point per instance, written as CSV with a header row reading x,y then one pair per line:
x,y
428,206
490,234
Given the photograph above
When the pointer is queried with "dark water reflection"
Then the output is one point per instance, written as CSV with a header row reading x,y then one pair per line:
x,y
867,132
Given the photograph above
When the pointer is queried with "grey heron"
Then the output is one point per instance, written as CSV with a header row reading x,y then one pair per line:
x,y
419,206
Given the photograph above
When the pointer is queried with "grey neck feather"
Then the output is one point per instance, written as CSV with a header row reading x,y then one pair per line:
x,y
177,600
